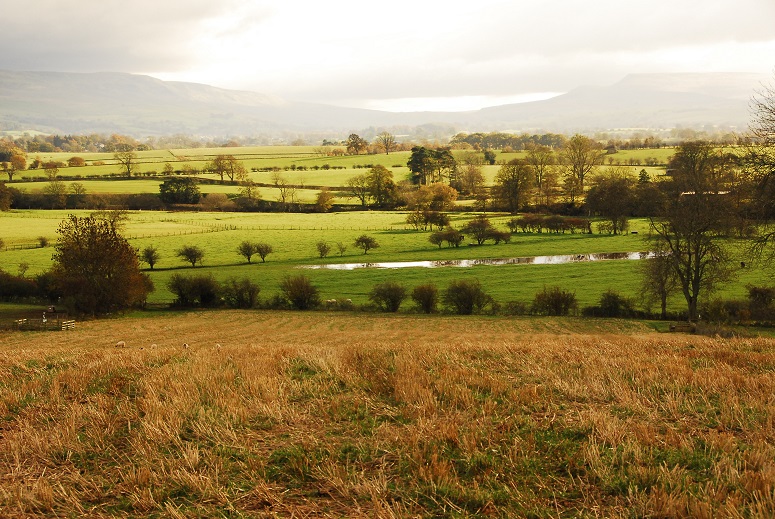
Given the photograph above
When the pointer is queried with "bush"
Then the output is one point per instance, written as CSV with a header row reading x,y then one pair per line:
x,y
240,293
150,255
437,238
15,287
613,304
191,291
554,301
760,302
366,243
263,250
191,254
500,236
426,297
300,292
42,241
724,311
388,296
323,248
516,308
465,297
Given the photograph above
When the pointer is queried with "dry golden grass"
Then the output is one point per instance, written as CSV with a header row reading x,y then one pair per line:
x,y
333,415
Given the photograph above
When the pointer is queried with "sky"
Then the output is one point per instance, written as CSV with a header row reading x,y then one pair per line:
x,y
401,55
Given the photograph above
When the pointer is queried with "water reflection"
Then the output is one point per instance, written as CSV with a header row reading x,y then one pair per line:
x,y
528,260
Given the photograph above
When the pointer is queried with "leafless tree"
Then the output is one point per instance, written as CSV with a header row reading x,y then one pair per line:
x,y
127,159
696,217
386,141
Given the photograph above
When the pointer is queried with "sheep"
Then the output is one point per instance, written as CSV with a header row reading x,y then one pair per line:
x,y
121,344
153,346
185,345
217,345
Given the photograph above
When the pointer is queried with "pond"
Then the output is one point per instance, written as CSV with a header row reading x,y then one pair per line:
x,y
528,260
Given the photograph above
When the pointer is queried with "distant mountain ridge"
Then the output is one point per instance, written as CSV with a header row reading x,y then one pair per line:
x,y
109,102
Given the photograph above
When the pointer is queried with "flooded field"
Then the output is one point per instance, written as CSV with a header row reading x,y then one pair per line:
x,y
527,260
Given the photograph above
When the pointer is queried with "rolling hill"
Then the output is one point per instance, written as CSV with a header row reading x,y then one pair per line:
x,y
107,102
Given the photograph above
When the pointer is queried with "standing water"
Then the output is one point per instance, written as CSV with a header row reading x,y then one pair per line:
x,y
528,260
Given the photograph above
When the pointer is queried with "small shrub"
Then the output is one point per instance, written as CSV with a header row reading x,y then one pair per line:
x,y
150,255
760,302
277,302
323,248
437,238
246,249
42,241
613,304
500,236
554,301
191,254
465,297
725,311
426,297
516,308
388,296
300,293
14,287
240,293
366,243
263,250
193,291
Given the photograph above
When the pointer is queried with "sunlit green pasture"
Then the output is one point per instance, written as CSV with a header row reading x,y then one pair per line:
x,y
294,238
126,187
282,157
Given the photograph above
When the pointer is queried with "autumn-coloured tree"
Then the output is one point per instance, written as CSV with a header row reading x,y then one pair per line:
x,y
96,269
386,141
228,166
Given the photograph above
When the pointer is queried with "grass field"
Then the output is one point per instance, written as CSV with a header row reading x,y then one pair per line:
x,y
336,415
293,237
258,157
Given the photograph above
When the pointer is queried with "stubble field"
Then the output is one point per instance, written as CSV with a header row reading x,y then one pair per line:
x,y
334,415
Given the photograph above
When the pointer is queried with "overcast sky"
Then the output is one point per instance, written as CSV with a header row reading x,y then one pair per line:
x,y
399,54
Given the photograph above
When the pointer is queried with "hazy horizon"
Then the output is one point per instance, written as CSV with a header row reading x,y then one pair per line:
x,y
402,56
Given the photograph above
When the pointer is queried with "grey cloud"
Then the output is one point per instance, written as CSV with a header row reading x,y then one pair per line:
x,y
142,35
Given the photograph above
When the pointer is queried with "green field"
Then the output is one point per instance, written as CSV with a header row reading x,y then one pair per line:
x,y
321,170
293,237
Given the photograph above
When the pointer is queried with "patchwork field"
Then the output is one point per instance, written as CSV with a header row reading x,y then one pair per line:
x,y
336,415
299,165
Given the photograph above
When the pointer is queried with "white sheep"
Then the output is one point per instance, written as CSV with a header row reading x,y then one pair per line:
x,y
185,345
121,344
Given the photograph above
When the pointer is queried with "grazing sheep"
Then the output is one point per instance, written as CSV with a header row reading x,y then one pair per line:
x,y
217,345
153,346
121,344
185,345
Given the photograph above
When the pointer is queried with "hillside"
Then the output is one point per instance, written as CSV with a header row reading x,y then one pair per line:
x,y
141,106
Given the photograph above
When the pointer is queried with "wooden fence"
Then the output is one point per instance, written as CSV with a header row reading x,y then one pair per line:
x,y
44,324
